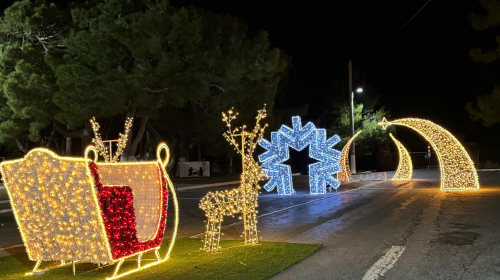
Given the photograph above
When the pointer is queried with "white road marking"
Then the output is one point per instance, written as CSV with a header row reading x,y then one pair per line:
x,y
4,201
5,210
384,263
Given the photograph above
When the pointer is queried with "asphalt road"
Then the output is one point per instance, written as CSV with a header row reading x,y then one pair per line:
x,y
369,230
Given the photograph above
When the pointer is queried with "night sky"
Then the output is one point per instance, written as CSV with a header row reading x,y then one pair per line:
x,y
423,71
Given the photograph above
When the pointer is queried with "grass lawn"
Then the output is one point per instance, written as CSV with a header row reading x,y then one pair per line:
x,y
186,262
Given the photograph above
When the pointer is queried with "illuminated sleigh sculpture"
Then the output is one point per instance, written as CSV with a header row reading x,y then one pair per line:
x,y
81,210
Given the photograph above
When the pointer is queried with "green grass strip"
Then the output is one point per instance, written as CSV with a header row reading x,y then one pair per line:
x,y
187,262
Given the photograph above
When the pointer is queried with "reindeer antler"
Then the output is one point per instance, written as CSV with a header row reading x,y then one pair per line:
x,y
122,141
254,136
103,150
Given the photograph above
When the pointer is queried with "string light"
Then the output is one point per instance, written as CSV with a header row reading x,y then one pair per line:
x,y
122,140
320,173
79,210
242,200
457,169
345,175
405,166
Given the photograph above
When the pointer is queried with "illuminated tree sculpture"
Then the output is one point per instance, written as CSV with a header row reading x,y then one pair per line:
x,y
320,173
345,174
457,169
242,200
405,166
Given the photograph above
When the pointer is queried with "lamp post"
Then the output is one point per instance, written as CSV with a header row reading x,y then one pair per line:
x,y
351,106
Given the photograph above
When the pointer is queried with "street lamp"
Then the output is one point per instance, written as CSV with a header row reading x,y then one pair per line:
x,y
352,150
351,105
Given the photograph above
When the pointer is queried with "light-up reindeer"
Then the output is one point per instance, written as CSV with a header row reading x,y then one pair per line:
x,y
242,200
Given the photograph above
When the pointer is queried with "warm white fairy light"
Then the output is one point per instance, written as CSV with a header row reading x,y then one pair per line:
x,y
457,169
242,200
345,175
122,140
405,166
55,203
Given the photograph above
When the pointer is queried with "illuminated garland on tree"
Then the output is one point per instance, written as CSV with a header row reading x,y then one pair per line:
x,y
242,200
345,174
405,166
457,169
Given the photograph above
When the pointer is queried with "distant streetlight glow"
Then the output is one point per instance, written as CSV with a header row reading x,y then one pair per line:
x,y
359,90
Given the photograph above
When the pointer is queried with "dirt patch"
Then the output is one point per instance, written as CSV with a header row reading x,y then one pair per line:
x,y
458,238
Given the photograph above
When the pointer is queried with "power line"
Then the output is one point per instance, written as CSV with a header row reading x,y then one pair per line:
x,y
400,28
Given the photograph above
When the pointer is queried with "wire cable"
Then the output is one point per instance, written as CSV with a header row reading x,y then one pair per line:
x,y
400,28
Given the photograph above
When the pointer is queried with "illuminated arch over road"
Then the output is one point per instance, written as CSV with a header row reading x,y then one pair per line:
x,y
405,166
457,169
345,174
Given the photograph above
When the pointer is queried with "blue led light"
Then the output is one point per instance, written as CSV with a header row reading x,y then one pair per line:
x,y
299,137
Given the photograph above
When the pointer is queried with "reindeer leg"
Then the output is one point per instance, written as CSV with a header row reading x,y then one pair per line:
x,y
219,221
212,233
208,233
251,227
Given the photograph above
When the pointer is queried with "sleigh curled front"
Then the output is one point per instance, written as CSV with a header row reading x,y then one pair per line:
x,y
80,210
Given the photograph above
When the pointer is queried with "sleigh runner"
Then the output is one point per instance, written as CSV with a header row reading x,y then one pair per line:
x,y
78,209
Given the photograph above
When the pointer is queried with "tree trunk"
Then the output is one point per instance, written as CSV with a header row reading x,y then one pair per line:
x,y
62,151
138,137
107,128
51,137
87,134
23,148
149,145
68,133
142,145
68,146
175,155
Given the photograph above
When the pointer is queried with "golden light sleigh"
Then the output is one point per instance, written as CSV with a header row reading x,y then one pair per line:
x,y
80,210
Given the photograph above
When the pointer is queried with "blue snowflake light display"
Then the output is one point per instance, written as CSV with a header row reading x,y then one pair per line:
x,y
299,137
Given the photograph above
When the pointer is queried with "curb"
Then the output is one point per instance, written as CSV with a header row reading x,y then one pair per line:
x,y
207,185
214,184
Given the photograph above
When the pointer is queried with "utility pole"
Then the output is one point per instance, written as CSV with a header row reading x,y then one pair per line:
x,y
351,105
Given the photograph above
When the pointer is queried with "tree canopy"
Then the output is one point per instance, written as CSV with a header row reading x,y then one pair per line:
x,y
486,108
174,67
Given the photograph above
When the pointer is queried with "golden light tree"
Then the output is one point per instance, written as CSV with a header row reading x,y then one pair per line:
x,y
457,169
345,174
242,200
405,166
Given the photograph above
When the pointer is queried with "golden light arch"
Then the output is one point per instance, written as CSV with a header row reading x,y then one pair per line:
x,y
405,166
345,174
457,169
